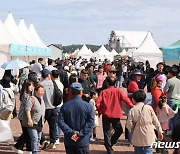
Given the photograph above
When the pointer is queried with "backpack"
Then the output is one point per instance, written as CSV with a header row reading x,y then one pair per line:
x,y
7,101
58,96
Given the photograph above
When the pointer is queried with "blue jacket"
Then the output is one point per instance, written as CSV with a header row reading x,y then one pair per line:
x,y
76,115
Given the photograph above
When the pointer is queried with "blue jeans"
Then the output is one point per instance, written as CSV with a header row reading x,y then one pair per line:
x,y
119,81
58,129
143,150
35,139
173,121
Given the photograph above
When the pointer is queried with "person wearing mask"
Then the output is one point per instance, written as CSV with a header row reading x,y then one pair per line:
x,y
141,122
76,120
85,84
51,113
109,104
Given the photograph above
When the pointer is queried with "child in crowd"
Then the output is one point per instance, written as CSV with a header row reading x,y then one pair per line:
x,y
164,112
94,96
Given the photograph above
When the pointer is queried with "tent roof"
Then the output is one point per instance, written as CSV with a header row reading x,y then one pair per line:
x,y
177,43
11,27
102,51
123,52
148,46
36,36
148,50
26,34
131,39
3,37
114,52
84,51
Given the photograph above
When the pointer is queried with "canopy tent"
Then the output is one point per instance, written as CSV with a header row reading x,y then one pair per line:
x,y
114,52
148,50
23,30
84,52
76,51
126,39
177,43
123,52
20,41
102,53
171,54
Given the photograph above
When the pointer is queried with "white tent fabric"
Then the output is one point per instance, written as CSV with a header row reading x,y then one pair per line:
x,y
3,37
84,52
148,50
102,53
132,39
123,52
36,36
25,33
130,52
114,52
12,28
75,52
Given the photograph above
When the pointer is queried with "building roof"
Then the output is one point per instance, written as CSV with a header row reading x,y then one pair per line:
x,y
59,46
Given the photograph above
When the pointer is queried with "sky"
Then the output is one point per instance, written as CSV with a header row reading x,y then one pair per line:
x,y
91,21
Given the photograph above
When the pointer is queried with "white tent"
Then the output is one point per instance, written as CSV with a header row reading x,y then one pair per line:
x,y
123,52
148,50
114,52
129,39
36,36
102,53
84,52
25,33
75,52
10,25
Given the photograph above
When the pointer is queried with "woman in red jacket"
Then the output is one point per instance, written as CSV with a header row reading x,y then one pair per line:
x,y
133,84
156,90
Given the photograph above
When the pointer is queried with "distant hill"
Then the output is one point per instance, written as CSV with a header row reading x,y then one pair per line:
x,y
73,47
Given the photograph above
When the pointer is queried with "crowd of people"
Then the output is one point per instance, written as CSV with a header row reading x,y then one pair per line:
x,y
71,95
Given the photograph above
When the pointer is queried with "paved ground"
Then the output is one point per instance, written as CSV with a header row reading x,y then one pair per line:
x,y
121,147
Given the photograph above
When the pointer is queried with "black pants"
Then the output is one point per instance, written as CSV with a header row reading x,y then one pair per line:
x,y
77,149
110,141
23,139
50,116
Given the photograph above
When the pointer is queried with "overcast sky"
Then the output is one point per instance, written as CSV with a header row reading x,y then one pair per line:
x,y
91,21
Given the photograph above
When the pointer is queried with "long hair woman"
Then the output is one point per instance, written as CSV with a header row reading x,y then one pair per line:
x,y
25,97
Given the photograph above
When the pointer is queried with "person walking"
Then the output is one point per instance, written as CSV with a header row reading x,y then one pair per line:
x,y
76,120
109,104
35,111
141,122
54,77
51,113
172,88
